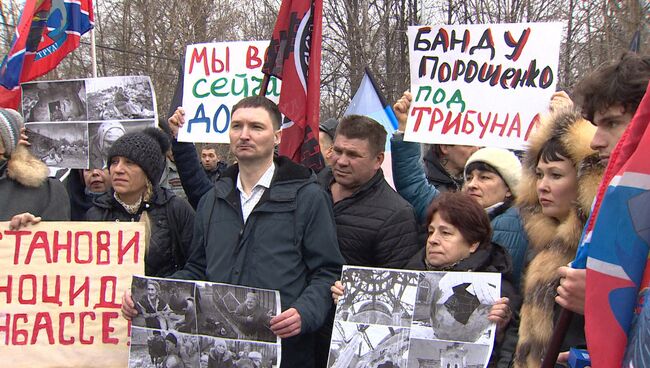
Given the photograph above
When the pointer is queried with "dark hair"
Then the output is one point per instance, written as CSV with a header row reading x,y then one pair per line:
x,y
552,151
363,127
622,82
263,102
464,212
210,146
481,166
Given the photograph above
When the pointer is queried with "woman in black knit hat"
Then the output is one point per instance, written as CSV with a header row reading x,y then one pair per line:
x,y
136,162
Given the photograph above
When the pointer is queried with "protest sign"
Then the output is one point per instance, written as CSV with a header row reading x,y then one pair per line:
x,y
73,123
190,322
217,76
398,318
481,85
61,285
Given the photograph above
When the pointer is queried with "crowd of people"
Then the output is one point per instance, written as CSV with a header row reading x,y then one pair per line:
x,y
270,223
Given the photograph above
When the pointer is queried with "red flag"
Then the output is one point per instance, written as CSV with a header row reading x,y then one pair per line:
x,y
46,33
10,98
294,56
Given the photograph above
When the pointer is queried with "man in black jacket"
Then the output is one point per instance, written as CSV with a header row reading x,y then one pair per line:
x,y
376,227
266,223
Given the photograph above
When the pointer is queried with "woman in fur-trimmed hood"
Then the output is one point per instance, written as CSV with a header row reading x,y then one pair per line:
x,y
24,182
559,181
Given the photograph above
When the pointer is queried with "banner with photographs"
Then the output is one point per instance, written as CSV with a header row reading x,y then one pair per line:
x,y
413,319
202,324
73,123
61,285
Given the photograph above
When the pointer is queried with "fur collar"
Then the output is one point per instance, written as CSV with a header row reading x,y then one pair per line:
x,y
553,243
26,169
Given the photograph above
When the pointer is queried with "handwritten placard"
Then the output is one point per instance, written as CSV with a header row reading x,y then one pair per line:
x,y
61,285
482,85
217,76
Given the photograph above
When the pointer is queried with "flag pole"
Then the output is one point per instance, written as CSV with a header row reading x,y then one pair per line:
x,y
561,328
93,52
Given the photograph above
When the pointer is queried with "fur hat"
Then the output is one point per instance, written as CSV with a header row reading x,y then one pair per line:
x,y
10,124
503,161
146,148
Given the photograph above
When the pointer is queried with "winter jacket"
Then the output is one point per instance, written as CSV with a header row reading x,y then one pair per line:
x,y
375,226
171,219
492,258
81,200
508,231
288,244
193,177
25,187
410,181
552,243
438,176
214,175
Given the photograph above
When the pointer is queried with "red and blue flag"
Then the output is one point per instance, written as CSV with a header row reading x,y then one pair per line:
x,y
294,56
615,249
48,30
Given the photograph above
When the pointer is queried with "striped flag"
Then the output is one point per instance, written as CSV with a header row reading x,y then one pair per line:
x,y
614,250
370,101
48,30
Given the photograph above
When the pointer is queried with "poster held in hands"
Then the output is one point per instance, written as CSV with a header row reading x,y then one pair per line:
x,y
402,318
196,321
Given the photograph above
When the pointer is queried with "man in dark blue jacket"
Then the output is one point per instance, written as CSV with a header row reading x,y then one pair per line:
x,y
266,223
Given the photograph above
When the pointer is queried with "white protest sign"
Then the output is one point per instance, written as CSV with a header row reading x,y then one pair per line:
x,y
482,85
217,76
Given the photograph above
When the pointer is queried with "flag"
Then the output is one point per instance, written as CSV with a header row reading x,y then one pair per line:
x,y
48,30
10,98
614,250
370,102
294,57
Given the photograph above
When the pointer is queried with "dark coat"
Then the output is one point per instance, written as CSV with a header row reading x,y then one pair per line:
x,y
437,175
193,177
288,244
493,258
215,174
25,187
375,226
172,223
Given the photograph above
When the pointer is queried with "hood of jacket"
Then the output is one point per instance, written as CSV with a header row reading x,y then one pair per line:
x,y
287,179
575,134
493,258
553,244
26,169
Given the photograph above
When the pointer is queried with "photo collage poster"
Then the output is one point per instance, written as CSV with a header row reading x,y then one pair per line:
x,y
73,123
202,324
413,319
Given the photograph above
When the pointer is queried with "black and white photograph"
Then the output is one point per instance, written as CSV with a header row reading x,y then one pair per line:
x,y
102,135
443,354
454,306
221,353
55,101
373,296
59,144
120,98
157,348
368,346
235,312
165,304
